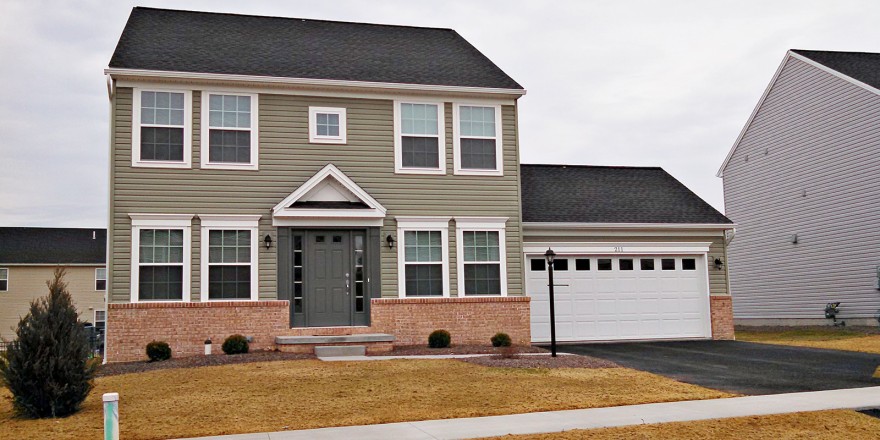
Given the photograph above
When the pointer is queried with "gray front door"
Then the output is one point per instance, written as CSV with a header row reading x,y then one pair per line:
x,y
328,278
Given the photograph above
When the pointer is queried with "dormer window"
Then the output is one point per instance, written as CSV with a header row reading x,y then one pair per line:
x,y
161,123
477,139
419,143
327,125
229,131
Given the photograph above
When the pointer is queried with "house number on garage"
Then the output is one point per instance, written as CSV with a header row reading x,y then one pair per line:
x,y
618,248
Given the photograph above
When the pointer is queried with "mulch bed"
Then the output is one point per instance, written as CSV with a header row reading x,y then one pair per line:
x,y
563,361
198,361
422,350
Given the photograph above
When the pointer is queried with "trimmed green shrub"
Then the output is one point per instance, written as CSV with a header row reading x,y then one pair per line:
x,y
501,340
47,367
158,351
439,339
235,344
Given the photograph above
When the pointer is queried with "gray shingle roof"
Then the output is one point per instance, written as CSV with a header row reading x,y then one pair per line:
x,y
52,246
595,194
203,42
862,66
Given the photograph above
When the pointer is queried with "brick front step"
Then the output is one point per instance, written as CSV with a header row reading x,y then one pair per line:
x,y
372,343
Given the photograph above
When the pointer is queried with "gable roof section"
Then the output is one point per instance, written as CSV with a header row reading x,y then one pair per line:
x,y
597,194
53,246
859,68
220,43
329,194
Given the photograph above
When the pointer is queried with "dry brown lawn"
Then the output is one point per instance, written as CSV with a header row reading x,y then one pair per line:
x,y
840,424
863,340
284,395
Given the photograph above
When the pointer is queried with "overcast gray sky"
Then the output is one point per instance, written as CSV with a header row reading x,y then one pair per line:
x,y
657,83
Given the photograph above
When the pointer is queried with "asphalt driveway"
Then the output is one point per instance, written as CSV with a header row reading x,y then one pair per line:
x,y
742,367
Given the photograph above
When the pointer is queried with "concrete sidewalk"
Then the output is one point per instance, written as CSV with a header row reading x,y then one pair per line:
x,y
556,421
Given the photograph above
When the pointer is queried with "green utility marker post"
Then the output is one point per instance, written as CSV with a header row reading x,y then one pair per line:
x,y
111,416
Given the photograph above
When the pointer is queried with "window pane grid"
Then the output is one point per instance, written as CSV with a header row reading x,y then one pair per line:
x,y
327,124
422,247
229,111
477,122
419,119
162,109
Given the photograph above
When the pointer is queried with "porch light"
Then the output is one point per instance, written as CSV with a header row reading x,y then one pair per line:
x,y
390,240
718,263
268,241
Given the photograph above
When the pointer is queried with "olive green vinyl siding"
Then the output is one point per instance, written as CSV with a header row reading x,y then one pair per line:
x,y
286,161
717,249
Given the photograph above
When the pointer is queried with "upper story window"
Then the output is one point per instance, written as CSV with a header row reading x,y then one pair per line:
x,y
101,278
161,122
327,125
477,139
4,279
229,131
419,141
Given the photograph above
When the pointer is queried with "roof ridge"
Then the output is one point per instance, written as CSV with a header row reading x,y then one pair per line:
x,y
835,51
277,17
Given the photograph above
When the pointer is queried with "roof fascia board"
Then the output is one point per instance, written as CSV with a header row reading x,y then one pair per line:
x,y
308,82
745,128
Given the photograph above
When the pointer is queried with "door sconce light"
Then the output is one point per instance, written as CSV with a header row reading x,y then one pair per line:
x,y
718,264
268,241
390,240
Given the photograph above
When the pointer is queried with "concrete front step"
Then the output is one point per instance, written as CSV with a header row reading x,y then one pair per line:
x,y
340,351
372,343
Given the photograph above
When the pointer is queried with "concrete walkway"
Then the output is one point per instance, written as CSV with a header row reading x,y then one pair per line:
x,y
422,356
556,421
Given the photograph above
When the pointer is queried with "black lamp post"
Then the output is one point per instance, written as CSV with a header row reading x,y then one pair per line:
x,y
550,255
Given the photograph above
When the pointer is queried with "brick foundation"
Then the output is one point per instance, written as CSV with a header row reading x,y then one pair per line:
x,y
185,326
721,308
469,320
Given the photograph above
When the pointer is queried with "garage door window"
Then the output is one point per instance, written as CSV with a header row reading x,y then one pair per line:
x,y
667,264
582,264
646,264
604,263
688,264
560,264
538,265
625,264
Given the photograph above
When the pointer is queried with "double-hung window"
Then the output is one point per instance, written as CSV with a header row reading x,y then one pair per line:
x,y
482,267
327,125
477,139
229,257
101,278
4,279
419,144
160,260
100,320
423,256
161,128
229,131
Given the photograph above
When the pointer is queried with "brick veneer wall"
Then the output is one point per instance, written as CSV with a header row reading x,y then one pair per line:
x,y
469,320
721,309
185,326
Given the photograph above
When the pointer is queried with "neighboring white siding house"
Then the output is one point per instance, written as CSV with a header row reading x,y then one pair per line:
x,y
802,183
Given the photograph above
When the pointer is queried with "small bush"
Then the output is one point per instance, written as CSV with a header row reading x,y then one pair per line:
x,y
439,339
235,344
158,351
47,368
501,340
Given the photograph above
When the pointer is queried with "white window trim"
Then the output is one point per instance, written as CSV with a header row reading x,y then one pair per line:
x,y
7,279
315,138
161,221
456,141
422,224
491,224
97,279
441,139
136,131
204,148
230,222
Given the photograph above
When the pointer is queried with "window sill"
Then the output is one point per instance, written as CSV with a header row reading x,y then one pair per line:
x,y
467,172
161,164
230,166
318,140
430,171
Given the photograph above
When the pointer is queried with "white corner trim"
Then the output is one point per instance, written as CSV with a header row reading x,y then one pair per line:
x,y
404,224
315,138
187,253
283,211
441,139
617,248
226,222
162,220
491,224
204,142
136,130
456,142
146,73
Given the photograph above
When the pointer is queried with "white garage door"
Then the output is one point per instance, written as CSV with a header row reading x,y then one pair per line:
x,y
604,298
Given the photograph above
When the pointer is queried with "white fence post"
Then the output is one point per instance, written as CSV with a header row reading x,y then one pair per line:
x,y
111,416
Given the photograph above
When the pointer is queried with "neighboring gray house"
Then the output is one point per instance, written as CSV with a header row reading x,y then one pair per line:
x,y
801,184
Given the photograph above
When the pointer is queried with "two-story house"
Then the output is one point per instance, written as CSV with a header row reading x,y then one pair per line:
x,y
799,182
293,180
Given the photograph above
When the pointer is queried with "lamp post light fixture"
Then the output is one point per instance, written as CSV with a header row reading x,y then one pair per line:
x,y
550,256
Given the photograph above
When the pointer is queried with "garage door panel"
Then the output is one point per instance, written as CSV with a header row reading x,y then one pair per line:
x,y
622,304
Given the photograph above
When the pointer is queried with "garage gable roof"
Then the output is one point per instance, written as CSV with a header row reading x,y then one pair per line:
x,y
601,194
53,246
